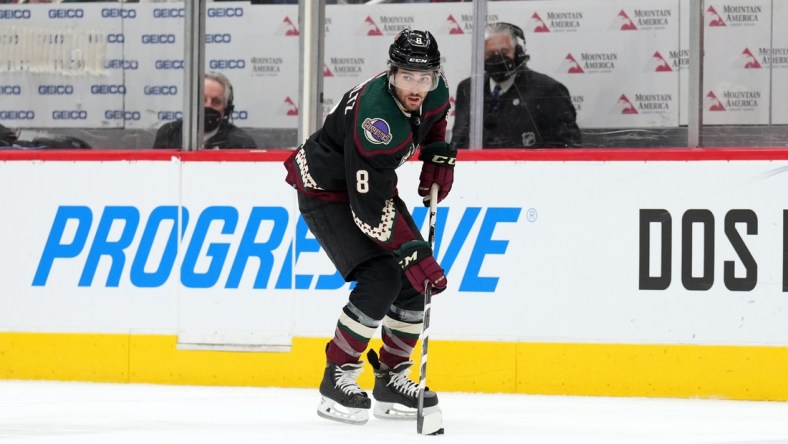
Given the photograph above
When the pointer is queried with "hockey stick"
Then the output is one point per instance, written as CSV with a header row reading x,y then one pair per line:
x,y
432,425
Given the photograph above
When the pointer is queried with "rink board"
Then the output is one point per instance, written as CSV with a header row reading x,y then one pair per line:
x,y
588,272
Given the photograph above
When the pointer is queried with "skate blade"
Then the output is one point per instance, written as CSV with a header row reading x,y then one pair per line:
x,y
390,410
336,412
431,423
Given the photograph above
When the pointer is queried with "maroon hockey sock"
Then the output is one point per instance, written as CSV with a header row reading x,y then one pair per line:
x,y
397,347
346,346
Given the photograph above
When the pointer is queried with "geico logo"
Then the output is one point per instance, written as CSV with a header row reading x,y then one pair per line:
x,y
161,39
55,90
218,38
227,64
118,114
169,64
168,12
240,115
18,115
107,89
66,13
225,12
169,115
10,90
73,114
115,38
121,64
118,13
14,14
161,90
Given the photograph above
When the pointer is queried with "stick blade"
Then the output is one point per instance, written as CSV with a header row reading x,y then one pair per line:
x,y
430,423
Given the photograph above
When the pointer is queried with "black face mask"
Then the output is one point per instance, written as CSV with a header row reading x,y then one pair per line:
x,y
212,119
499,68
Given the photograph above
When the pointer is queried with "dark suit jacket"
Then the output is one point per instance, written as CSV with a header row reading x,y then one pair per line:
x,y
228,136
535,112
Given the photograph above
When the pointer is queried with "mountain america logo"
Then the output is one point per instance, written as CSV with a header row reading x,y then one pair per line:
x,y
344,67
733,14
742,100
288,107
712,103
625,106
644,19
589,63
657,63
649,103
287,28
713,18
369,27
377,131
537,24
747,60
557,21
623,22
389,25
451,26
571,66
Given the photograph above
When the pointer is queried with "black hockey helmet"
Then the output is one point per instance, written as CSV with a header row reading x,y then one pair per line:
x,y
415,50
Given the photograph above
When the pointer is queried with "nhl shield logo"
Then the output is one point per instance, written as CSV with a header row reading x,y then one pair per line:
x,y
377,131
529,138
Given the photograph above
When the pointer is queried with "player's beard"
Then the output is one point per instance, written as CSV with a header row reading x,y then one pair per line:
x,y
411,101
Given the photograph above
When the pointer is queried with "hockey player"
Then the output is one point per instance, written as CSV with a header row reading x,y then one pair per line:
x,y
345,174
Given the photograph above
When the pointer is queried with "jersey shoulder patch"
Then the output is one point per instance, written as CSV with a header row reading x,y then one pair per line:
x,y
379,124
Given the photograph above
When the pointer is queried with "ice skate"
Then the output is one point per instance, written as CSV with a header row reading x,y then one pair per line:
x,y
343,400
396,396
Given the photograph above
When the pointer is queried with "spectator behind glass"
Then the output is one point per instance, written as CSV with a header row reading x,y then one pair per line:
x,y
522,108
219,132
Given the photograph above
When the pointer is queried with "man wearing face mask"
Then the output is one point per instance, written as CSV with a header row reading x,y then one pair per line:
x,y
522,108
219,132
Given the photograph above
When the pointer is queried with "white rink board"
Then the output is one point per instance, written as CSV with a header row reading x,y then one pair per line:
x,y
536,251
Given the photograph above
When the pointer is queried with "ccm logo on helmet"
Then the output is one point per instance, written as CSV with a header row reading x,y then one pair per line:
x,y
416,60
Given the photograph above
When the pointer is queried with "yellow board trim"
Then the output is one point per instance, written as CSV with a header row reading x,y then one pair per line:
x,y
679,371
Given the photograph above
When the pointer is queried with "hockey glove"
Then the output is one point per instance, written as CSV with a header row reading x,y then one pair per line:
x,y
439,159
415,257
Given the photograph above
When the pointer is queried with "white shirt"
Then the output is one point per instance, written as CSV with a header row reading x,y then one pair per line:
x,y
505,85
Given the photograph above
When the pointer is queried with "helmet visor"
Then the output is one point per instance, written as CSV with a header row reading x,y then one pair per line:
x,y
417,81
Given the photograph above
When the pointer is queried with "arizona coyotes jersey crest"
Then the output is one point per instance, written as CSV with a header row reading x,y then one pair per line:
x,y
353,157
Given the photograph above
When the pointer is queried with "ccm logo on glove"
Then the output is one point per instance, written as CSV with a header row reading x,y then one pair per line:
x,y
439,159
415,258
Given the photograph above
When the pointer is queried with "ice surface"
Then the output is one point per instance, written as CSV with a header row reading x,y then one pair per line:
x,y
63,412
